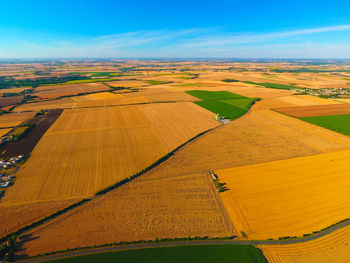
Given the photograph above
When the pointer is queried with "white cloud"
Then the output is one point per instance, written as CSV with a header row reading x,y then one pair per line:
x,y
195,42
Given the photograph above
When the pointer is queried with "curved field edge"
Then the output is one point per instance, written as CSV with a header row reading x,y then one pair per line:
x,y
170,253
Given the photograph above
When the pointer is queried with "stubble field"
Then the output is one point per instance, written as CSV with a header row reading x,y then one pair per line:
x,y
331,248
145,209
86,150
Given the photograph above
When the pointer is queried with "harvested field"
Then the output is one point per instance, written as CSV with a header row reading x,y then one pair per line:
x,y
288,197
14,90
103,96
145,209
292,101
126,83
7,101
14,119
318,110
89,149
160,94
333,248
64,103
26,144
14,217
318,100
257,137
52,92
4,131
112,102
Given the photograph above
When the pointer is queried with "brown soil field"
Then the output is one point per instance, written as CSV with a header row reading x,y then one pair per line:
x,y
52,92
88,149
14,217
28,141
318,110
64,103
6,101
288,197
333,248
14,119
145,209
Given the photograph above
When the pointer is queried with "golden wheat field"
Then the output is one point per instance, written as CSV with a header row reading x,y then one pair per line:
x,y
14,217
86,150
51,92
64,103
144,209
333,248
288,197
257,137
14,119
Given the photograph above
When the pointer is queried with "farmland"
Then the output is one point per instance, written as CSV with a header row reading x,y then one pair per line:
x,y
145,209
258,193
14,119
204,254
227,104
331,248
90,126
317,110
338,123
83,154
52,92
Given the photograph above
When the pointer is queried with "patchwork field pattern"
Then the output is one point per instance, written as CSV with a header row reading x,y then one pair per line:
x,y
257,137
333,248
288,197
86,150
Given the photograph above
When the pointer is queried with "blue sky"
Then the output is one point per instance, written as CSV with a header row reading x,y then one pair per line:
x,y
134,28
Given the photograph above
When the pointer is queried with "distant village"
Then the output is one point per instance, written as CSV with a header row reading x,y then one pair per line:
x,y
326,92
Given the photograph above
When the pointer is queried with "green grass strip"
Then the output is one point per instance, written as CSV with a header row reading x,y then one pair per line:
x,y
183,254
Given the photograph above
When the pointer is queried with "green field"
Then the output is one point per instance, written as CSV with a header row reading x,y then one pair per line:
x,y
183,254
156,82
245,103
229,105
214,95
272,85
338,123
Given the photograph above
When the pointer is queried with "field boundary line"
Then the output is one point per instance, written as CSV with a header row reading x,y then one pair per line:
x,y
228,221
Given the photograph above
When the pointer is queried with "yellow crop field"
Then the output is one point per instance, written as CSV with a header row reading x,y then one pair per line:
x,y
144,209
288,197
88,149
318,100
64,103
333,248
14,119
112,102
103,96
4,131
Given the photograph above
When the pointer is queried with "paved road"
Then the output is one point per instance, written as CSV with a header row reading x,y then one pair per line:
x,y
185,243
